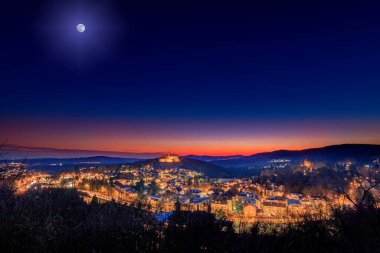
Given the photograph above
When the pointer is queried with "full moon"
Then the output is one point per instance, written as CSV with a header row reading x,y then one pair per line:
x,y
81,28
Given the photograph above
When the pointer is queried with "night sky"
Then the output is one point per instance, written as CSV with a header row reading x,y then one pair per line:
x,y
202,77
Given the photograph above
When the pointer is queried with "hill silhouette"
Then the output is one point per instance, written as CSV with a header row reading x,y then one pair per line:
x,y
333,153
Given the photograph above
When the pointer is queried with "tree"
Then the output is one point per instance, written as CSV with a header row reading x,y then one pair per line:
x,y
189,182
94,200
178,206
7,181
153,188
220,215
140,187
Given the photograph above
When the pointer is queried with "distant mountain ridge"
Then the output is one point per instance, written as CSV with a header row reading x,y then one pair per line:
x,y
220,165
225,166
333,153
63,163
207,158
21,152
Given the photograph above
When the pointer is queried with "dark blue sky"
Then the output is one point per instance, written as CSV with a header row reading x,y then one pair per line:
x,y
195,60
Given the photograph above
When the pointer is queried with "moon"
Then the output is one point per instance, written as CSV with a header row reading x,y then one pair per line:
x,y
81,28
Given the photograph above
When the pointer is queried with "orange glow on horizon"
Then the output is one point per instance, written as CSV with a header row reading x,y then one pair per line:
x,y
202,138
195,150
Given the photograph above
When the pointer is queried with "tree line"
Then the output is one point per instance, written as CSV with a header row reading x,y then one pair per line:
x,y
58,220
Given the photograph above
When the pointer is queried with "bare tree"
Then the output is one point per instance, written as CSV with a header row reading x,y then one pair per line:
x,y
360,193
9,174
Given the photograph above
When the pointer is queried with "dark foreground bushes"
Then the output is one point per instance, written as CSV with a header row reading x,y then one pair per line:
x,y
57,220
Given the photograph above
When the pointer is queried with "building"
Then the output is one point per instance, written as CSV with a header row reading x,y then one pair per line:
x,y
169,159
219,205
200,204
249,210
274,206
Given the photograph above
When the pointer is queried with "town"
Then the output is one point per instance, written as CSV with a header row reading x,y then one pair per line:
x,y
162,189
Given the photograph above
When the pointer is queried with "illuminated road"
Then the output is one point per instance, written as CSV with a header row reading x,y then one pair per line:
x,y
101,196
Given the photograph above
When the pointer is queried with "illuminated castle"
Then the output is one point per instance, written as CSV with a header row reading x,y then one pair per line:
x,y
169,159
308,164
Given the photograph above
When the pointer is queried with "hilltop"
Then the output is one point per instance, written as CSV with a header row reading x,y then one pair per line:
x,y
209,169
333,153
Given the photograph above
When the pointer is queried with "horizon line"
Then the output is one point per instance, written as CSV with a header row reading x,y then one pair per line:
x,y
19,148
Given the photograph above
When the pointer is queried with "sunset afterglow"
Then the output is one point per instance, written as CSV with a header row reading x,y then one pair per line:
x,y
208,138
